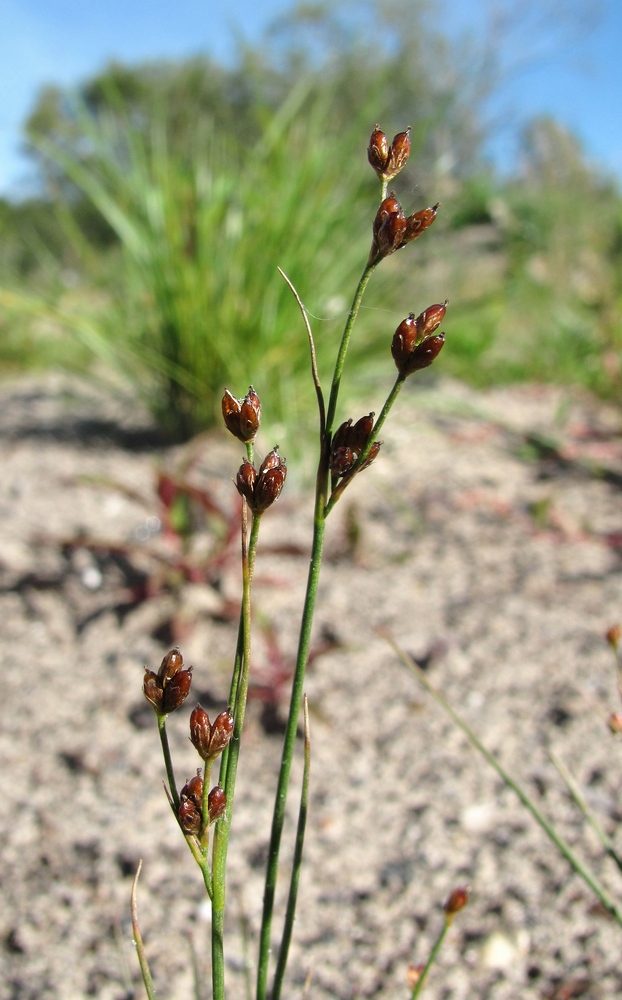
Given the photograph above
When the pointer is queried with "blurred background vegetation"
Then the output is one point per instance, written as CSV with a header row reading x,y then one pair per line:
x,y
169,193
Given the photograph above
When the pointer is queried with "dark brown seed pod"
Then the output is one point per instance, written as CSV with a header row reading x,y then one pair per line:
x,y
388,229
216,803
222,730
242,416
373,454
359,433
404,341
378,151
200,731
169,688
417,224
210,739
189,816
176,691
193,789
246,480
341,460
270,482
172,663
398,155
457,900
424,354
152,690
431,318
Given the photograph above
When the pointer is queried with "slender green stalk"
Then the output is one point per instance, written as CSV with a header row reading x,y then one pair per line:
x,y
431,960
223,825
138,940
605,841
562,845
168,762
289,741
290,912
345,341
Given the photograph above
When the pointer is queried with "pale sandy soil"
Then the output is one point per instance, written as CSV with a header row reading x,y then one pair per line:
x,y
492,560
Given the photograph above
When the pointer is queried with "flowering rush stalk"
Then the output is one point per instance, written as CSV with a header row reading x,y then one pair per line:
x,y
205,814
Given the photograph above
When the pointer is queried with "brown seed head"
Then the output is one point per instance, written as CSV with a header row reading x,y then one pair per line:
x,y
348,442
200,731
246,480
152,690
169,688
412,348
270,481
341,460
431,318
418,223
378,151
388,229
189,816
613,636
242,416
222,730
216,803
193,789
172,663
457,900
373,454
176,691
398,155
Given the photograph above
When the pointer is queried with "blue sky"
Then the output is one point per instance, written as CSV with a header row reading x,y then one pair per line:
x,y
577,76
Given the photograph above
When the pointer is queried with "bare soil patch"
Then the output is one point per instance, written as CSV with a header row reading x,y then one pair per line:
x,y
487,538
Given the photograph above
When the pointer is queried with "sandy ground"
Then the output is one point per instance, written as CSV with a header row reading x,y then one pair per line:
x,y
491,554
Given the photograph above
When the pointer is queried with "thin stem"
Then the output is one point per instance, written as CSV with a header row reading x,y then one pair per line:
x,y
562,846
431,960
605,841
168,762
345,340
314,371
145,971
289,741
290,912
223,825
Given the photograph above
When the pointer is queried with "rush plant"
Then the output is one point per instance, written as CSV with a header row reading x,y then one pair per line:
x,y
203,809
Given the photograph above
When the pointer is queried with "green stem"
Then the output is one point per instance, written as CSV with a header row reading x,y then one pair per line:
x,y
431,960
138,940
292,899
605,841
289,741
343,347
168,762
223,825
562,846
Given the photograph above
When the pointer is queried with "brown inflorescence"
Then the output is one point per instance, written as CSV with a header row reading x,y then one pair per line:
x,y
415,344
261,489
242,416
613,636
457,900
387,160
210,738
392,229
169,688
191,805
348,442
216,803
